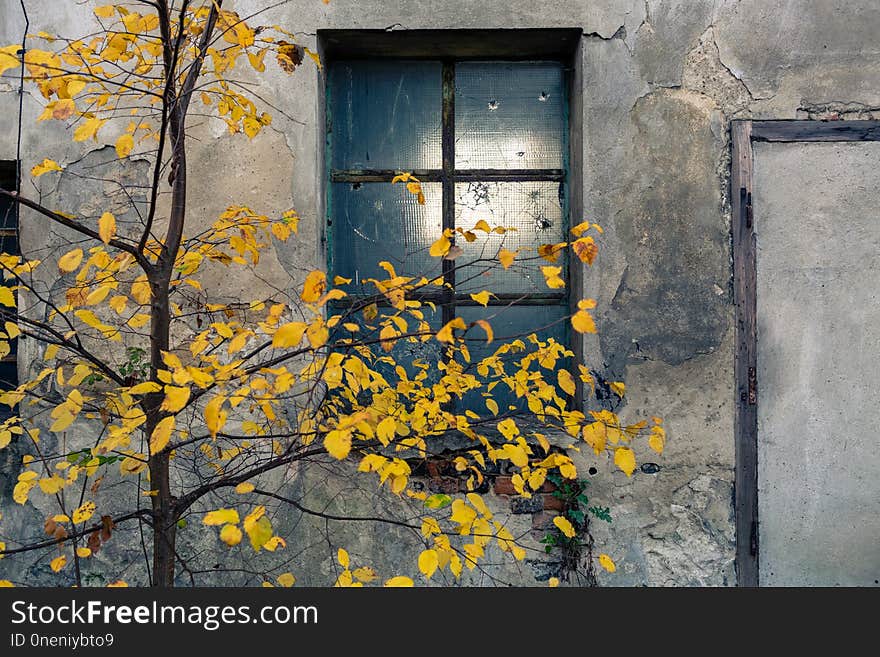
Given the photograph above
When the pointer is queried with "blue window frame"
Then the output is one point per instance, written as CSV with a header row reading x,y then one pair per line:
x,y
488,140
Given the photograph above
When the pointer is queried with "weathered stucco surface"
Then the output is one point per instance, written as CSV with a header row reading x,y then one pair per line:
x,y
818,231
661,80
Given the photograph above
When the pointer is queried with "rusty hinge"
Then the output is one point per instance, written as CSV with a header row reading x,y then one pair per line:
x,y
753,539
753,386
749,212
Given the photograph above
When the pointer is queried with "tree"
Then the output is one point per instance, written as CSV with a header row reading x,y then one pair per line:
x,y
161,392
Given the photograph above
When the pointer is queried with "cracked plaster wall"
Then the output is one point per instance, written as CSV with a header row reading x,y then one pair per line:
x,y
662,79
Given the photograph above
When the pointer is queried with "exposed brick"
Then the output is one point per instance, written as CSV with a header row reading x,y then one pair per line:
x,y
543,520
551,502
444,485
503,486
534,504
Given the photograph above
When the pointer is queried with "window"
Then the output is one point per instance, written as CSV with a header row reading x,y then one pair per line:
x,y
489,141
8,244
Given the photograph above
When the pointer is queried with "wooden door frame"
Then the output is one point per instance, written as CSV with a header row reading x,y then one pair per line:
x,y
743,134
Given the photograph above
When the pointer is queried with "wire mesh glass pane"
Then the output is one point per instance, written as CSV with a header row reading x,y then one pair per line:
x,y
508,323
509,116
373,222
535,209
386,115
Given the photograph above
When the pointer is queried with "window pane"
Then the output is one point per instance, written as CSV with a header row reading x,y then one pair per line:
x,y
533,208
373,222
386,115
406,352
7,207
509,323
509,116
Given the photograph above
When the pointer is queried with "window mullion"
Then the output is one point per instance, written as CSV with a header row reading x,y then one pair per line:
x,y
448,180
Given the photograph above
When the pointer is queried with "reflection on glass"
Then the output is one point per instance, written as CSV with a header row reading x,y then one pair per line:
x,y
385,115
509,116
533,208
373,222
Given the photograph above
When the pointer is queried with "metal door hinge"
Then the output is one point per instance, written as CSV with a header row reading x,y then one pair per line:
x,y
753,386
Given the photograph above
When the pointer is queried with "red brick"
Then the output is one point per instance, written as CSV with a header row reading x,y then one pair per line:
x,y
504,486
553,503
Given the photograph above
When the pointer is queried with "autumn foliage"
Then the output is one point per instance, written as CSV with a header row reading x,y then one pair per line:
x,y
142,377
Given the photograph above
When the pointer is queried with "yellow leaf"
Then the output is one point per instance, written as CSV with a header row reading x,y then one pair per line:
x,y
84,512
606,562
107,227
492,405
586,249
244,487
566,381
342,558
175,398
618,388
231,535
580,229
6,584
118,584
83,552
124,145
365,574
317,334
251,127
386,337
259,532
6,297
506,257
140,290
314,286
45,166
58,563
481,298
286,580
274,543
12,330
583,322
564,526
445,333
221,517
625,459
161,434
70,261
428,561
145,387
289,335
21,490
117,303
553,582
215,416
106,11
88,129
51,485
487,327
400,582
441,247
338,443
595,435
657,439
552,278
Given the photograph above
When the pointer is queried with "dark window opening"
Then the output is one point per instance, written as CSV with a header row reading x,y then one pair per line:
x,y
489,140
8,244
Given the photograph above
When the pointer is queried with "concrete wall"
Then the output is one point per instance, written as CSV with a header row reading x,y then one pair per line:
x,y
661,80
818,237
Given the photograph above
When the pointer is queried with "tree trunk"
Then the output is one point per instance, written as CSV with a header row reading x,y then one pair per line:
x,y
164,508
